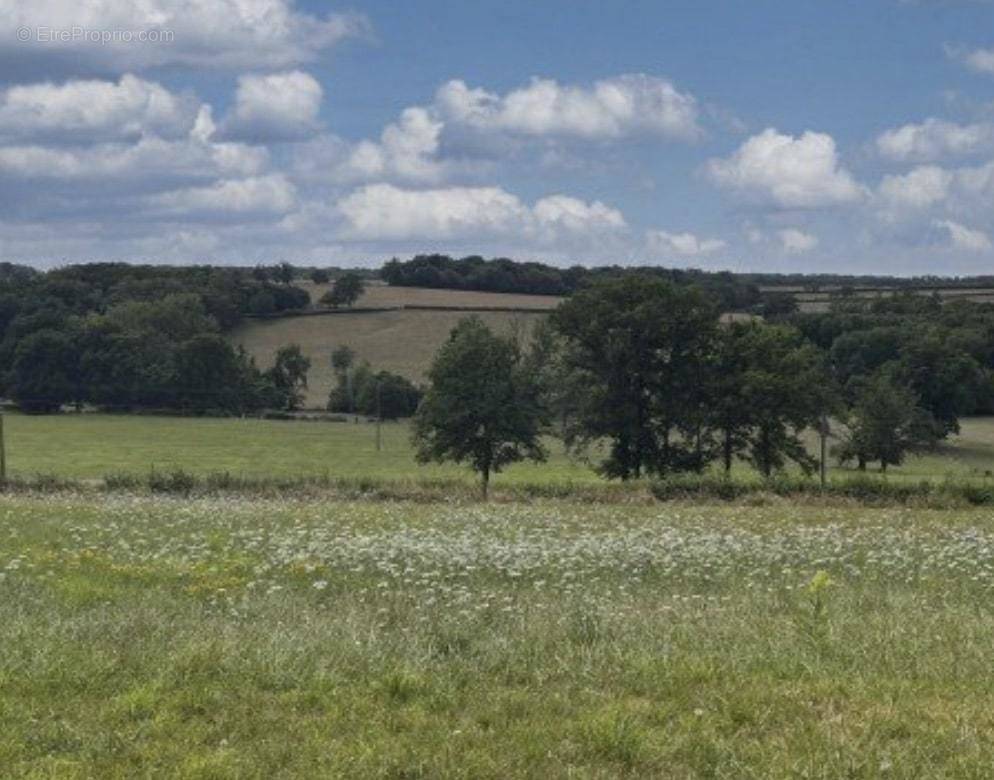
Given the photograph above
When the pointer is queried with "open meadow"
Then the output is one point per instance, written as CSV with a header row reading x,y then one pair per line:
x,y
93,446
402,341
223,638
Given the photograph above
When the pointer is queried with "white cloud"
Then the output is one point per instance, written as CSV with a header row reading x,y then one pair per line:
x,y
612,108
964,238
978,60
795,241
202,33
967,190
787,172
148,159
935,139
918,189
564,213
383,212
406,150
93,110
275,107
683,244
271,195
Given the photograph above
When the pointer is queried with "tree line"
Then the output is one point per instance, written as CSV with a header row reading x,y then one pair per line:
x,y
137,337
640,374
504,275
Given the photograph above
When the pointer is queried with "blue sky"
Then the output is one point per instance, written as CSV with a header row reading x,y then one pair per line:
x,y
811,136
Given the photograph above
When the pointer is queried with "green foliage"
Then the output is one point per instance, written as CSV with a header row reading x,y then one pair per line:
x,y
783,389
289,376
346,290
342,358
503,275
778,306
284,273
212,376
651,372
635,348
885,422
386,395
360,390
481,406
43,375
126,332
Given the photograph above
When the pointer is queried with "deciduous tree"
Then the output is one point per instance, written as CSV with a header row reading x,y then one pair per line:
x,y
481,406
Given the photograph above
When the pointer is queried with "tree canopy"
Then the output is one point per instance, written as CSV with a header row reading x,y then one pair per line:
x,y
481,406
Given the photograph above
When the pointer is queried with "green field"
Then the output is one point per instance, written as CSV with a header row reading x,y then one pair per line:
x,y
154,637
91,446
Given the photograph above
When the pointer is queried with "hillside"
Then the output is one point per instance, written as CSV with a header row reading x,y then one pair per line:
x,y
403,341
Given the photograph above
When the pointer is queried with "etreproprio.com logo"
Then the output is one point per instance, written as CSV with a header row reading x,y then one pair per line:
x,y
104,36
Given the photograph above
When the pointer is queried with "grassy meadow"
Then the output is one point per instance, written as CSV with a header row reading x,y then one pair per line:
x,y
223,638
92,446
400,341
404,342
378,294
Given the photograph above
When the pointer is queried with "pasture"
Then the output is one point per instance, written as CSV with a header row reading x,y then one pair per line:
x,y
404,342
92,446
214,638
378,294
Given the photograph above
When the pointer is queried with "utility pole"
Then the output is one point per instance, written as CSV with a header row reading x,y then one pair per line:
x,y
3,453
823,431
379,415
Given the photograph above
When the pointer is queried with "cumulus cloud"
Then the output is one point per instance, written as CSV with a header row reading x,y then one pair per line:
x,y
935,139
964,193
94,110
464,126
682,244
918,189
148,159
275,107
383,212
272,195
964,238
406,150
204,33
794,241
612,108
562,213
787,172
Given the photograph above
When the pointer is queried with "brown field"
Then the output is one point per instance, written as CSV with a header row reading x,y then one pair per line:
x,y
399,341
819,301
380,295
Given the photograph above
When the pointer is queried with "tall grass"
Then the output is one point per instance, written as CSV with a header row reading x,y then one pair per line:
x,y
868,490
150,636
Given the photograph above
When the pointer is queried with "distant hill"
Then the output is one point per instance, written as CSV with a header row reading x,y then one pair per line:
x,y
402,340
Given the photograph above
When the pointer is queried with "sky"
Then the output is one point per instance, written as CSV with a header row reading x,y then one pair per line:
x,y
847,136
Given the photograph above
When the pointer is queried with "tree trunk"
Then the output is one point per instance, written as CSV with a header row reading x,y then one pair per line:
x,y
727,452
862,462
485,482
